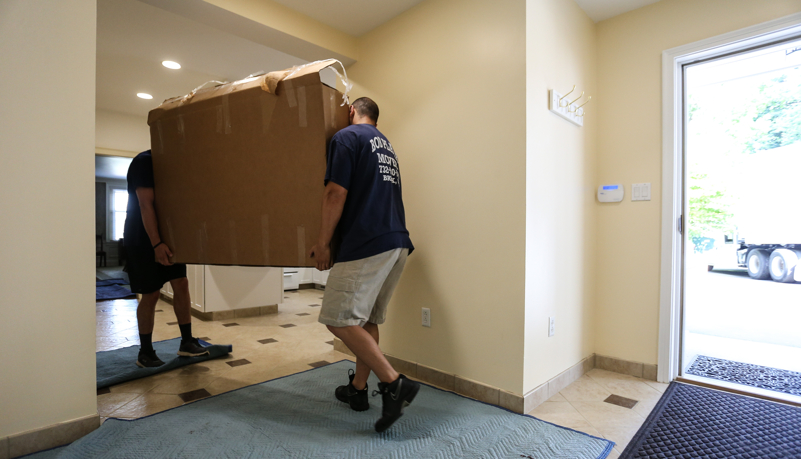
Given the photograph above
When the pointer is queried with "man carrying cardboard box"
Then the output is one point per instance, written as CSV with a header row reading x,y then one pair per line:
x,y
363,200
149,265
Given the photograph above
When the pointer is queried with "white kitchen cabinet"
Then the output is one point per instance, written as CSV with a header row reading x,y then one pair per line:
x,y
294,277
320,277
225,288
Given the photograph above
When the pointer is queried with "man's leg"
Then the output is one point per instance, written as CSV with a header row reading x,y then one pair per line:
x,y
362,370
190,347
181,302
145,316
362,343
146,311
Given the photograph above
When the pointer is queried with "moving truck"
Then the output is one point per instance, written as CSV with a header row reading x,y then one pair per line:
x,y
768,215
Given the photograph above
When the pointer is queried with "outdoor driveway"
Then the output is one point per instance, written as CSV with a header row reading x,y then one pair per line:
x,y
730,304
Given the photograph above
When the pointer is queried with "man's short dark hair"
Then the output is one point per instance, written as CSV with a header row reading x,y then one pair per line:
x,y
365,106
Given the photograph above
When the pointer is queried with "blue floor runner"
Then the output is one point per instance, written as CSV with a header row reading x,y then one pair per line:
x,y
696,422
119,365
111,292
298,417
106,282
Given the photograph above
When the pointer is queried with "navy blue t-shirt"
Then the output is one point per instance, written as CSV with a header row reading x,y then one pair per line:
x,y
361,160
140,174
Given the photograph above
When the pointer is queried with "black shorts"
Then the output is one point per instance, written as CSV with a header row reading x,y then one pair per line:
x,y
146,275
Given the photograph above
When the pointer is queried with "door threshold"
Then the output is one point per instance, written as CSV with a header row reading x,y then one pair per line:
x,y
740,389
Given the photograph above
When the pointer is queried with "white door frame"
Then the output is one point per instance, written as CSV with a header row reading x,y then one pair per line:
x,y
673,60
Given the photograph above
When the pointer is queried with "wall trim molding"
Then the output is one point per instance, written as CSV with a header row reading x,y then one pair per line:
x,y
229,314
517,403
52,436
673,62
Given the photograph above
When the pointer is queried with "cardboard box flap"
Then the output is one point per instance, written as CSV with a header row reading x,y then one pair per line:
x,y
271,80
268,83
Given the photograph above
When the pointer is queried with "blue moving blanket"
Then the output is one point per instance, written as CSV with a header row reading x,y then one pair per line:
x,y
111,292
119,365
298,417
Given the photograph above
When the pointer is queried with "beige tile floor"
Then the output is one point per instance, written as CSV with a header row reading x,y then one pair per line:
x,y
579,406
293,350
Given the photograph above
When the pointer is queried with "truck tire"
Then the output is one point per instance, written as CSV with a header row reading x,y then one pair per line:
x,y
782,265
758,264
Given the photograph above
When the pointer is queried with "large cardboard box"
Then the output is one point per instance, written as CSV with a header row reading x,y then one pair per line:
x,y
239,168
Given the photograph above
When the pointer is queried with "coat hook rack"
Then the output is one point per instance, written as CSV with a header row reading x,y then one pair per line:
x,y
567,109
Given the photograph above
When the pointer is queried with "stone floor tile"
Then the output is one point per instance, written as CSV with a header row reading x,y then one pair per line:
x,y
108,403
585,389
147,404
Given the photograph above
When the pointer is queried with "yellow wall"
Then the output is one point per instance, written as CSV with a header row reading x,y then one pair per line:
x,y
449,78
47,331
289,21
630,151
560,182
121,134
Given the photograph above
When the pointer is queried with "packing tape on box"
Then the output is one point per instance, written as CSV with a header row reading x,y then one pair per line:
x,y
267,107
188,98
181,129
301,246
290,94
302,106
333,106
171,242
219,119
161,138
202,241
226,114
232,238
347,84
265,238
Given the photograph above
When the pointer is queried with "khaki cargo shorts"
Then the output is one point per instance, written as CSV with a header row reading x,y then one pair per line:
x,y
358,291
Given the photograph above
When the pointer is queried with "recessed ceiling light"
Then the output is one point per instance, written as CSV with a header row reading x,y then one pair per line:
x,y
171,65
143,95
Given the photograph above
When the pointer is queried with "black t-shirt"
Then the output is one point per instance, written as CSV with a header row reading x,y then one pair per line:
x,y
140,174
361,160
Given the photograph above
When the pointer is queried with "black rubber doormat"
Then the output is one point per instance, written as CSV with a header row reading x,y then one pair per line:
x,y
696,422
788,382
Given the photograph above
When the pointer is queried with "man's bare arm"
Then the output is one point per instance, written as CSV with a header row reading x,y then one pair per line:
x,y
333,203
147,199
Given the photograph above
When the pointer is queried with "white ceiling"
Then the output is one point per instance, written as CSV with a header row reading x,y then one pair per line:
x,y
600,10
354,17
133,38
357,17
112,167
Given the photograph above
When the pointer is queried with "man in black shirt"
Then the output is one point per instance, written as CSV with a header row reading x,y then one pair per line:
x,y
149,265
363,200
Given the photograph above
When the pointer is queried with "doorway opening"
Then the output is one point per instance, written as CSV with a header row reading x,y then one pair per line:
x,y
111,201
742,235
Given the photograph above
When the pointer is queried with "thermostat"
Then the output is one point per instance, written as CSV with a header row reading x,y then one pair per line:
x,y
610,193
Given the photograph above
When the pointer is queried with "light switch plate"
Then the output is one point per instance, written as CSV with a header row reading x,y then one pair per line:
x,y
640,191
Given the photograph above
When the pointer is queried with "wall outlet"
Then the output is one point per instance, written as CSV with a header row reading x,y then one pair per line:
x,y
551,326
426,317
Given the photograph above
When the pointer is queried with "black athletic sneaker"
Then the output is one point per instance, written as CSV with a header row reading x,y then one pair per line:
x,y
396,396
191,348
148,359
357,399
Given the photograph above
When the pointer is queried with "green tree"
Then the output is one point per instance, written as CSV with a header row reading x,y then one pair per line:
x,y
772,119
709,208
